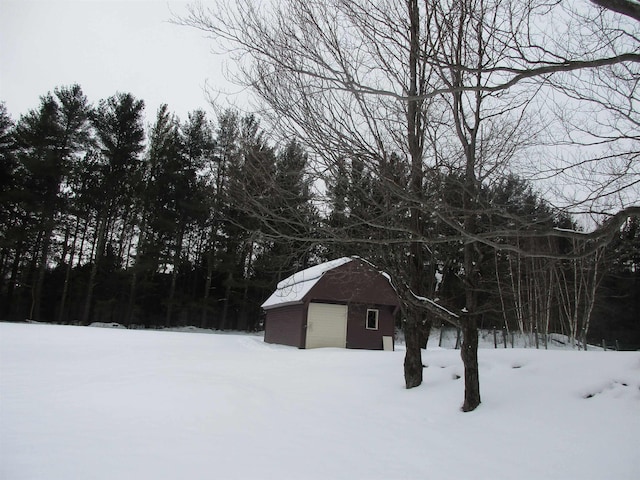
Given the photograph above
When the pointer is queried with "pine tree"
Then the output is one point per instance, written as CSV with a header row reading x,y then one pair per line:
x,y
174,199
120,133
224,150
293,218
50,140
194,200
10,212
250,181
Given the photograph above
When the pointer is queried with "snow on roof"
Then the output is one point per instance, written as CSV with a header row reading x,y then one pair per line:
x,y
292,289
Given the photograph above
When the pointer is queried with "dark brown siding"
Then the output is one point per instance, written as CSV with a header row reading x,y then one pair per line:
x,y
353,282
357,334
285,326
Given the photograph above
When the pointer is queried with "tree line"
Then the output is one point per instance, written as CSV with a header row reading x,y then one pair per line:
x,y
102,220
194,223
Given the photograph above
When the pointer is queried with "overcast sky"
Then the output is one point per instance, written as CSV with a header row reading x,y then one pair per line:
x,y
106,46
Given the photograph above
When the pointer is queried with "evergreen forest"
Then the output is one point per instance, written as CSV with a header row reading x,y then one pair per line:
x,y
192,222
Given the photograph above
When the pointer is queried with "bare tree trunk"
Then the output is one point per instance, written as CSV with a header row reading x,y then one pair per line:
x,y
590,294
517,290
467,131
469,350
469,354
413,354
577,286
500,291
547,318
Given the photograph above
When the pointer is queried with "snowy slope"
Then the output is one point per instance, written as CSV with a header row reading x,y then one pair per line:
x,y
96,403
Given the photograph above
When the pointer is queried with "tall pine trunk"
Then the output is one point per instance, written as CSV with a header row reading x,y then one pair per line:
x,y
36,299
133,286
11,285
225,309
204,312
97,257
67,274
243,315
174,275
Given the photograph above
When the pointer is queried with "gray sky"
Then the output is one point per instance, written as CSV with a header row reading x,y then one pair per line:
x,y
106,47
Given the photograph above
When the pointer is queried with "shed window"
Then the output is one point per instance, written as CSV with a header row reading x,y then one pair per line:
x,y
372,319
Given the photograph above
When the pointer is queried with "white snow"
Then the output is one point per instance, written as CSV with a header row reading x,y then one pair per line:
x,y
102,403
437,305
293,288
107,325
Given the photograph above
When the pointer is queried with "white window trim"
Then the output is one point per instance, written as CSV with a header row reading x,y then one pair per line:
x,y
366,320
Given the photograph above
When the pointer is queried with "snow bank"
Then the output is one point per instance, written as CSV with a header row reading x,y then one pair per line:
x,y
128,404
106,325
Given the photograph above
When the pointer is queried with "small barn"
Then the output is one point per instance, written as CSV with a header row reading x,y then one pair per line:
x,y
341,303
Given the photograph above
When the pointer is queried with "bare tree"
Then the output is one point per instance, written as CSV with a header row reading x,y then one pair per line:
x,y
448,86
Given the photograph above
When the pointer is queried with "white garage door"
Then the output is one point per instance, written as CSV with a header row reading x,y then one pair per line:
x,y
326,325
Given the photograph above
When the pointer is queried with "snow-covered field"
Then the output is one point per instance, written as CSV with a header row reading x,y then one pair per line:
x,y
96,403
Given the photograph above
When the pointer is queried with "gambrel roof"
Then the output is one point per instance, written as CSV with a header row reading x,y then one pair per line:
x,y
292,290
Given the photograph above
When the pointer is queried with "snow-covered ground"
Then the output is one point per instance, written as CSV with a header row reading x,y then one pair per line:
x,y
97,403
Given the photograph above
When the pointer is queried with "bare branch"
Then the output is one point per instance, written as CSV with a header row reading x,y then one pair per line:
x,y
630,8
